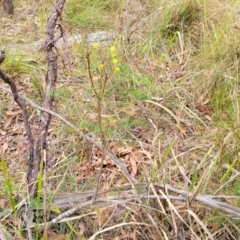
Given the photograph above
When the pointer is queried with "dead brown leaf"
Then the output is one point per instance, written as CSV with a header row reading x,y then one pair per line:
x,y
105,214
11,114
4,148
128,235
134,166
224,117
204,108
3,203
53,236
122,151
82,228
208,118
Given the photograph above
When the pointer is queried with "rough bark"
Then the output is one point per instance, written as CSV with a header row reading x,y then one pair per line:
x,y
50,81
8,6
38,145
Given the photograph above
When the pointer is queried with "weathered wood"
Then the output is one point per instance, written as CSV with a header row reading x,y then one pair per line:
x,y
50,81
8,6
102,37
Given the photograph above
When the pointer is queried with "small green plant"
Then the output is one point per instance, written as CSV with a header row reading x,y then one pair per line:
x,y
8,184
100,71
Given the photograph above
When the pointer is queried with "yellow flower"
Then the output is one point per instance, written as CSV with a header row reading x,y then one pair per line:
x,y
95,45
101,65
117,69
112,49
113,55
115,61
114,122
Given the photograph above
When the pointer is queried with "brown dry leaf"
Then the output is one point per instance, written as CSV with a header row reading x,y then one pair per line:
x,y
183,132
183,171
3,133
97,153
146,154
178,114
206,101
11,114
113,147
82,228
122,151
3,203
4,148
7,123
211,72
17,221
132,160
224,117
131,111
203,108
127,234
208,118
105,214
95,78
5,222
53,236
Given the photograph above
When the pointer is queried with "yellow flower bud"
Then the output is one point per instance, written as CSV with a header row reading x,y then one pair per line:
x,y
95,45
115,61
112,49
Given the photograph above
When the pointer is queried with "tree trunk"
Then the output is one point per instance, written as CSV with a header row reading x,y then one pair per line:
x,y
8,6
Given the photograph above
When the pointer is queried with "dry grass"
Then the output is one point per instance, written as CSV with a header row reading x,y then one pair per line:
x,y
171,114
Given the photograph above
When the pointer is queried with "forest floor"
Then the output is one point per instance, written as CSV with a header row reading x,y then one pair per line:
x,y
170,111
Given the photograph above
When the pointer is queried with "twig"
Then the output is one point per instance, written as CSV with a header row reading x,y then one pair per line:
x,y
4,234
18,99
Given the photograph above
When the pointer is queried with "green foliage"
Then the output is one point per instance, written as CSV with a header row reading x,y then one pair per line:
x,y
87,14
8,184
180,17
19,64
62,92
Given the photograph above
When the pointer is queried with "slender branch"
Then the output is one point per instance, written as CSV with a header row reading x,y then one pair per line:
x,y
50,81
19,100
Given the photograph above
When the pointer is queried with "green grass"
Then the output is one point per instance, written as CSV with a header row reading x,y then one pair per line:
x,y
8,184
173,56
88,15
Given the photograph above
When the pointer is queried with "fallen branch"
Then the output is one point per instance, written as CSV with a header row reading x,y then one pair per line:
x,y
208,200
100,37
77,201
